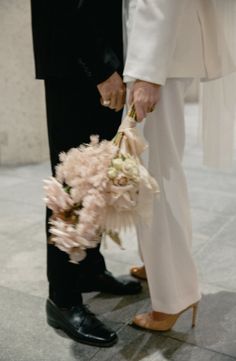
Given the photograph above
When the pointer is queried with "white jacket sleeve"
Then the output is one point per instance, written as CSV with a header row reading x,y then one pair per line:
x,y
152,39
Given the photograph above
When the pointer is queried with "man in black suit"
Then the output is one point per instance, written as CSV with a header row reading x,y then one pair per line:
x,y
78,53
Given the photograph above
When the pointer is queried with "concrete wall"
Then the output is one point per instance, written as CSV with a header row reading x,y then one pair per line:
x,y
23,136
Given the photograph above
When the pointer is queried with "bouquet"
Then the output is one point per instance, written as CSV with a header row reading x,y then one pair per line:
x,y
100,187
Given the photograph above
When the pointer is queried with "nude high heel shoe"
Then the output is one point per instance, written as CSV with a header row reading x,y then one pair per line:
x,y
158,321
138,272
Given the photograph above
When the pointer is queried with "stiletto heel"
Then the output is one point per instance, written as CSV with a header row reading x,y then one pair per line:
x,y
194,316
158,321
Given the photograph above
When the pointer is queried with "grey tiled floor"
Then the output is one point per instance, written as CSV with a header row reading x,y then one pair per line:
x,y
24,335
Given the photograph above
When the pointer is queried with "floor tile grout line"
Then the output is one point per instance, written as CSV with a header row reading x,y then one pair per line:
x,y
221,286
211,239
219,192
177,339
202,347
125,324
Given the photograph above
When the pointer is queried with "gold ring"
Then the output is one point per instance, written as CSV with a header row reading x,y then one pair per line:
x,y
106,103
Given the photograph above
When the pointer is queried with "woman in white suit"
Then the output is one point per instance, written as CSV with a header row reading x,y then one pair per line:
x,y
169,43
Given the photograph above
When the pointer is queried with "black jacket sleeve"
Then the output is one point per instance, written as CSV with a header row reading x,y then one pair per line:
x,y
99,50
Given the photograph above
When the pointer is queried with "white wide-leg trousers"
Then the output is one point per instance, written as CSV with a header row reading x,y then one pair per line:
x,y
165,246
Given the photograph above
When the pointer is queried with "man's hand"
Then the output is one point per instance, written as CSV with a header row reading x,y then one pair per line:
x,y
112,92
144,96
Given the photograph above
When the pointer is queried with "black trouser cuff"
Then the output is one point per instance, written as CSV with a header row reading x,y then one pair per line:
x,y
64,297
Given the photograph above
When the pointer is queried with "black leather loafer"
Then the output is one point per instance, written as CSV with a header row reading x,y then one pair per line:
x,y
80,324
106,282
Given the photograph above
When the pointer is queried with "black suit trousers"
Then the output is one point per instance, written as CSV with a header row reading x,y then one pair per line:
x,y
74,113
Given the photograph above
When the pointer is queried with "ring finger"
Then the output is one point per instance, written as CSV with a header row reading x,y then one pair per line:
x,y
105,102
113,103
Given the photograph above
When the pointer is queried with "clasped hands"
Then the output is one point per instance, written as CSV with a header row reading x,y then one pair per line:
x,y
143,95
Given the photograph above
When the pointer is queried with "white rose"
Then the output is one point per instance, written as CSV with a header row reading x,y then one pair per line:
x,y
112,173
121,181
117,163
130,168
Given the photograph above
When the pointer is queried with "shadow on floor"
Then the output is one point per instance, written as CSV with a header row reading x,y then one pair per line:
x,y
214,337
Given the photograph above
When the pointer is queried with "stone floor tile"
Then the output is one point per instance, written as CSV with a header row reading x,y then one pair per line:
x,y
209,288
23,261
17,216
206,223
7,181
228,234
216,326
219,181
25,336
138,345
192,160
199,241
27,191
216,263
213,201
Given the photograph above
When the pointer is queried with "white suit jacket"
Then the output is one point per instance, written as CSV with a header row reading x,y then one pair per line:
x,y
175,38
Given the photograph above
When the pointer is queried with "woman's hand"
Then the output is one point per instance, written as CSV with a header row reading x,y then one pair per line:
x,y
144,96
113,92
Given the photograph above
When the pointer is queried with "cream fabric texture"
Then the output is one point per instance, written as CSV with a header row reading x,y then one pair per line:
x,y
170,42
171,39
165,245
189,39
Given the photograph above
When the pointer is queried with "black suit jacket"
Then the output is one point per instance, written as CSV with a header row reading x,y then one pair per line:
x,y
73,37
